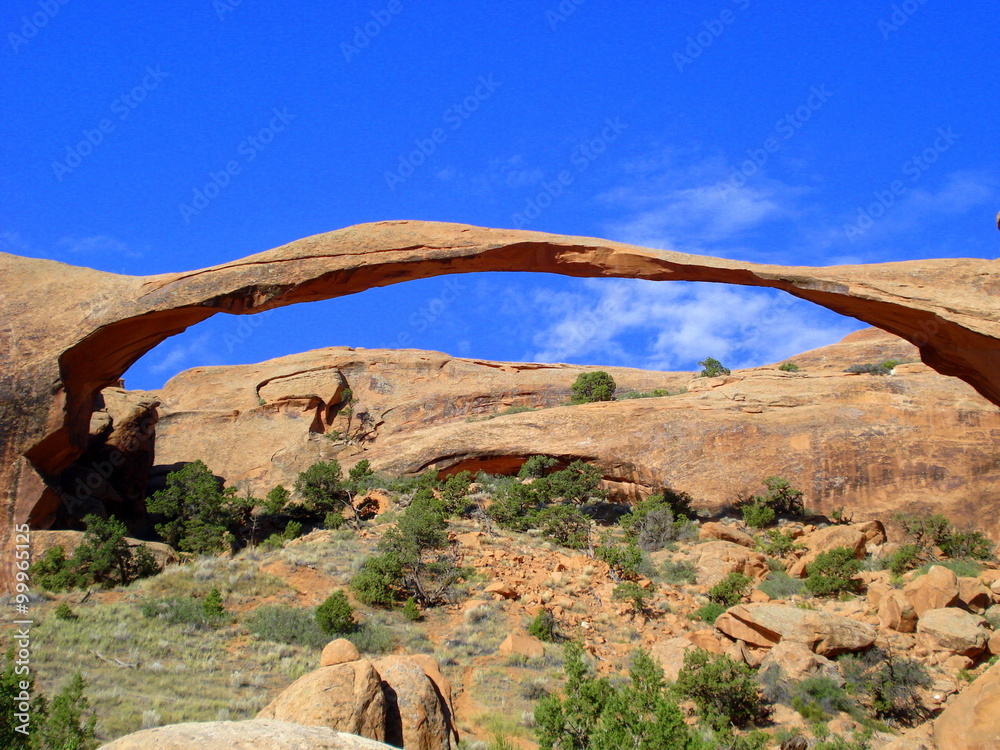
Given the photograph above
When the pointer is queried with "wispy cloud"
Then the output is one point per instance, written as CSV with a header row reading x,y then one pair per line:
x,y
97,245
185,354
670,326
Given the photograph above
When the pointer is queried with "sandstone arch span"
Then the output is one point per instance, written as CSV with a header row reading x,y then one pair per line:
x,y
67,332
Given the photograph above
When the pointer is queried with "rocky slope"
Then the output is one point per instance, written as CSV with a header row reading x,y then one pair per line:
x,y
70,332
913,440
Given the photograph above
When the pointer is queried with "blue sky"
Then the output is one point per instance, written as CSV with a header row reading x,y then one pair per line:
x,y
802,134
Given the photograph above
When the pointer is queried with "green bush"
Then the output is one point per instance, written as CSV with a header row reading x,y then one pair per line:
x,y
731,589
789,367
832,572
212,606
724,690
455,491
624,561
659,520
183,610
711,368
778,543
819,698
597,715
906,558
576,483
564,524
327,494
780,585
195,512
678,573
871,368
63,612
710,612
758,515
513,508
411,611
335,616
103,557
536,466
543,626
592,386
634,594
283,624
887,683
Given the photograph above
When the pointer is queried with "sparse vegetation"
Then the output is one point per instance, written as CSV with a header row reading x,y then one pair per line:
x,y
731,589
593,386
724,690
789,367
832,572
335,616
712,368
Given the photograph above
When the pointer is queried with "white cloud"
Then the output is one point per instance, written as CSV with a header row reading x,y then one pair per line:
x,y
181,356
97,245
672,325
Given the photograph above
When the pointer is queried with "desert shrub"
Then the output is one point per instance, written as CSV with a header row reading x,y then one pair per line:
x,y
335,616
411,611
513,507
283,624
563,523
679,572
709,612
887,684
595,714
576,483
871,368
961,568
780,495
758,515
817,698
971,545
789,367
536,466
624,561
63,612
655,393
723,689
375,583
65,723
211,605
731,589
659,520
326,494
778,543
195,512
592,386
780,585
634,594
455,491
184,610
373,638
103,557
543,626
832,572
711,368
907,557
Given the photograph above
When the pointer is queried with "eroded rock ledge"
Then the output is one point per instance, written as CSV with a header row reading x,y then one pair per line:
x,y
68,332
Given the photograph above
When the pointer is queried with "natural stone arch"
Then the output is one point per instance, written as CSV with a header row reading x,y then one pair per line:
x,y
69,332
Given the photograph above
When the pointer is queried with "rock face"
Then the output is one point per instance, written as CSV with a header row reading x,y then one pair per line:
x,y
716,560
403,700
346,697
242,735
971,721
70,332
766,625
953,630
936,589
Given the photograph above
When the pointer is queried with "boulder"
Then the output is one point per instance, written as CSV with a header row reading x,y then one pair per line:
x,y
974,595
524,645
417,716
338,651
669,654
874,532
766,625
502,590
953,630
722,532
256,734
895,612
796,661
346,697
832,537
971,720
935,589
716,560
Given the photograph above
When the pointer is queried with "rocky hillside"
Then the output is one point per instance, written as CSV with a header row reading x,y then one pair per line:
x,y
873,444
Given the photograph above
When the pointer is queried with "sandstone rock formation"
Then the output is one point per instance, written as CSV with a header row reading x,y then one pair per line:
x,y
417,715
70,332
953,630
242,735
936,589
971,721
766,625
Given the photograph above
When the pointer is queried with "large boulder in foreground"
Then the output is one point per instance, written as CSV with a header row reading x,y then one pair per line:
x,y
953,630
417,715
346,697
716,560
971,721
766,625
255,734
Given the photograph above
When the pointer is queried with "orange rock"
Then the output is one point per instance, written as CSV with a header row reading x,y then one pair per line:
x,y
833,537
895,612
715,560
766,625
725,533
338,651
525,645
935,589
953,630
974,595
502,590
972,720
416,712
